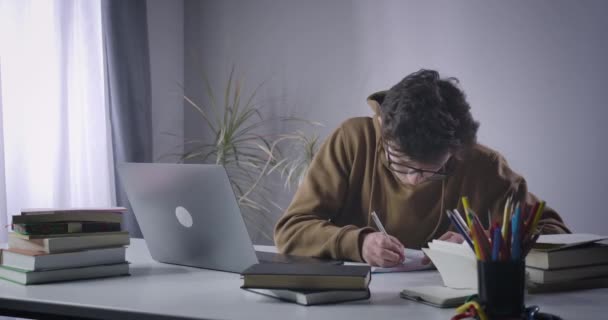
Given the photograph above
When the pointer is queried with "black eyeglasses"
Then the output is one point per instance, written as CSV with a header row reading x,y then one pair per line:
x,y
426,174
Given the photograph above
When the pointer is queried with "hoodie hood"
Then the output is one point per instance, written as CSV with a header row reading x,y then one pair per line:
x,y
375,100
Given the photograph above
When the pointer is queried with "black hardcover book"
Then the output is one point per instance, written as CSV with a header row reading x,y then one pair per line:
x,y
65,227
307,277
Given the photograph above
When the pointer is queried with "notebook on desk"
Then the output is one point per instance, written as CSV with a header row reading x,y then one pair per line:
x,y
413,262
437,296
188,215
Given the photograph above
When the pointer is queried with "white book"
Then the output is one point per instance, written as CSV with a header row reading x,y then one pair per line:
x,y
67,244
38,260
37,277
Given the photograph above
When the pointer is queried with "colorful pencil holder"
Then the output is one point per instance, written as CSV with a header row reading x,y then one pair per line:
x,y
501,287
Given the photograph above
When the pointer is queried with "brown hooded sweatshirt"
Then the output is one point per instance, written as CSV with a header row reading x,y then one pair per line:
x,y
349,178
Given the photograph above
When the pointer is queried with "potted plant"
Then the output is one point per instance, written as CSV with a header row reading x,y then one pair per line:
x,y
239,141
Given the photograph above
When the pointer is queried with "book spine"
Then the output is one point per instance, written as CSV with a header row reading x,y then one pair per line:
x,y
62,228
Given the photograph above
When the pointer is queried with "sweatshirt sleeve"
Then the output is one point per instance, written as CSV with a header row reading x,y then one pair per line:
x,y
501,182
306,227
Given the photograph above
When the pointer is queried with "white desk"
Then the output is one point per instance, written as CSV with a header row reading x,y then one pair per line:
x,y
162,291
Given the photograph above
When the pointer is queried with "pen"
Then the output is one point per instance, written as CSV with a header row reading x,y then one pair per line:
x,y
381,228
378,223
460,228
463,224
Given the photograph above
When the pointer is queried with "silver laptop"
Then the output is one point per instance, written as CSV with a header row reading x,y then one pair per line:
x,y
188,215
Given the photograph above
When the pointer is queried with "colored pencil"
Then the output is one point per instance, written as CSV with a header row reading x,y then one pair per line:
x,y
496,243
465,205
516,242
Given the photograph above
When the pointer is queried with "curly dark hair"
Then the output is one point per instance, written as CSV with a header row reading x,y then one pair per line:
x,y
426,117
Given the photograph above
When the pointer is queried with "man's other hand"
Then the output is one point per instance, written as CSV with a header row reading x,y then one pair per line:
x,y
381,250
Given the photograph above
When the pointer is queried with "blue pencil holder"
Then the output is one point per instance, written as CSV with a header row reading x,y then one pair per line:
x,y
501,287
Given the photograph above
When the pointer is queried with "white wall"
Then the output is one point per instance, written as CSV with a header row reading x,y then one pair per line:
x,y
533,71
166,41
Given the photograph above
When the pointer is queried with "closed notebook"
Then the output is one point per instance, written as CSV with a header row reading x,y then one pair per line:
x,y
71,243
37,260
314,297
306,277
568,274
569,257
438,296
38,277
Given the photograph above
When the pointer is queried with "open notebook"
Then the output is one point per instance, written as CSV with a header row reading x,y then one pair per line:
x,y
413,262
455,262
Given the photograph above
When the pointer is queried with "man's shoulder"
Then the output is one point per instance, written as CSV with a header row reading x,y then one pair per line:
x,y
481,154
358,123
359,128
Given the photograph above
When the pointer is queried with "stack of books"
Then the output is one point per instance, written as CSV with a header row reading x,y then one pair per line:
x,y
568,262
308,284
50,245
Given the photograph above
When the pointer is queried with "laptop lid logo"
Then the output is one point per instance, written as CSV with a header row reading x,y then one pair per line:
x,y
183,216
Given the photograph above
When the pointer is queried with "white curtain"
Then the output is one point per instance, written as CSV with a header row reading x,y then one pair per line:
x,y
54,118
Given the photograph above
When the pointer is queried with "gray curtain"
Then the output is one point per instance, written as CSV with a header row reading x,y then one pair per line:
x,y
127,62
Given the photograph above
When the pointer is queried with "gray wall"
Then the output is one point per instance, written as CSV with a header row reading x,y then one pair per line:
x,y
166,42
533,71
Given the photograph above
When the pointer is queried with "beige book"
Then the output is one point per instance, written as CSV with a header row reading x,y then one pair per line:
x,y
67,244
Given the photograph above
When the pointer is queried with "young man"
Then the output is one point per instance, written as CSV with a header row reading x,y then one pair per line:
x,y
409,163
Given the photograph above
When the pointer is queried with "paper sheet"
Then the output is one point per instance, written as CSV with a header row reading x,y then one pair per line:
x,y
413,262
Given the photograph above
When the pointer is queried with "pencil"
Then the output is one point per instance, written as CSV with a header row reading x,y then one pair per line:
x,y
480,237
537,216
496,243
465,205
476,244
505,218
516,242
530,219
